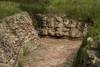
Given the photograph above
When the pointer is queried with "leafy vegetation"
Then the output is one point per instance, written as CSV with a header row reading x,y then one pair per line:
x,y
86,10
8,8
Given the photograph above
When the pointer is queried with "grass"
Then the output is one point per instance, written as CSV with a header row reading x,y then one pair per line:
x,y
86,10
94,32
33,8
8,8
25,53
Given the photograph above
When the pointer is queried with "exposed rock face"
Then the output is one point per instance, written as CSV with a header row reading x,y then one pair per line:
x,y
92,55
14,31
61,26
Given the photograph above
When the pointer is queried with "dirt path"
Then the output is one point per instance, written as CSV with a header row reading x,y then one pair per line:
x,y
55,53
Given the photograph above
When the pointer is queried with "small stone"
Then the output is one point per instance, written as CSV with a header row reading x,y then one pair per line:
x,y
90,39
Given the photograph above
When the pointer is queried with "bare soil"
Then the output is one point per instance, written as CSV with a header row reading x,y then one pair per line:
x,y
54,53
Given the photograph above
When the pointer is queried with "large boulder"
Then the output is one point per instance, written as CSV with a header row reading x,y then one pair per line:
x,y
15,31
60,26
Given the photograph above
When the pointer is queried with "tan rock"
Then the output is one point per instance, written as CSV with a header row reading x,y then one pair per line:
x,y
14,31
75,33
59,19
51,32
44,32
66,22
59,32
61,26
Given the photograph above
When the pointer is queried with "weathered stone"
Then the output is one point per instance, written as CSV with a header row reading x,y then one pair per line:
x,y
43,32
75,33
62,26
59,19
59,25
59,32
66,22
65,29
73,23
51,32
14,31
66,33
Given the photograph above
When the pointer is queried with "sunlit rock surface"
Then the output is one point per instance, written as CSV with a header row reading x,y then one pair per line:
x,y
14,31
60,26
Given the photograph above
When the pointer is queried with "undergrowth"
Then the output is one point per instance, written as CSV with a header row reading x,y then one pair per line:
x,y
94,32
8,8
